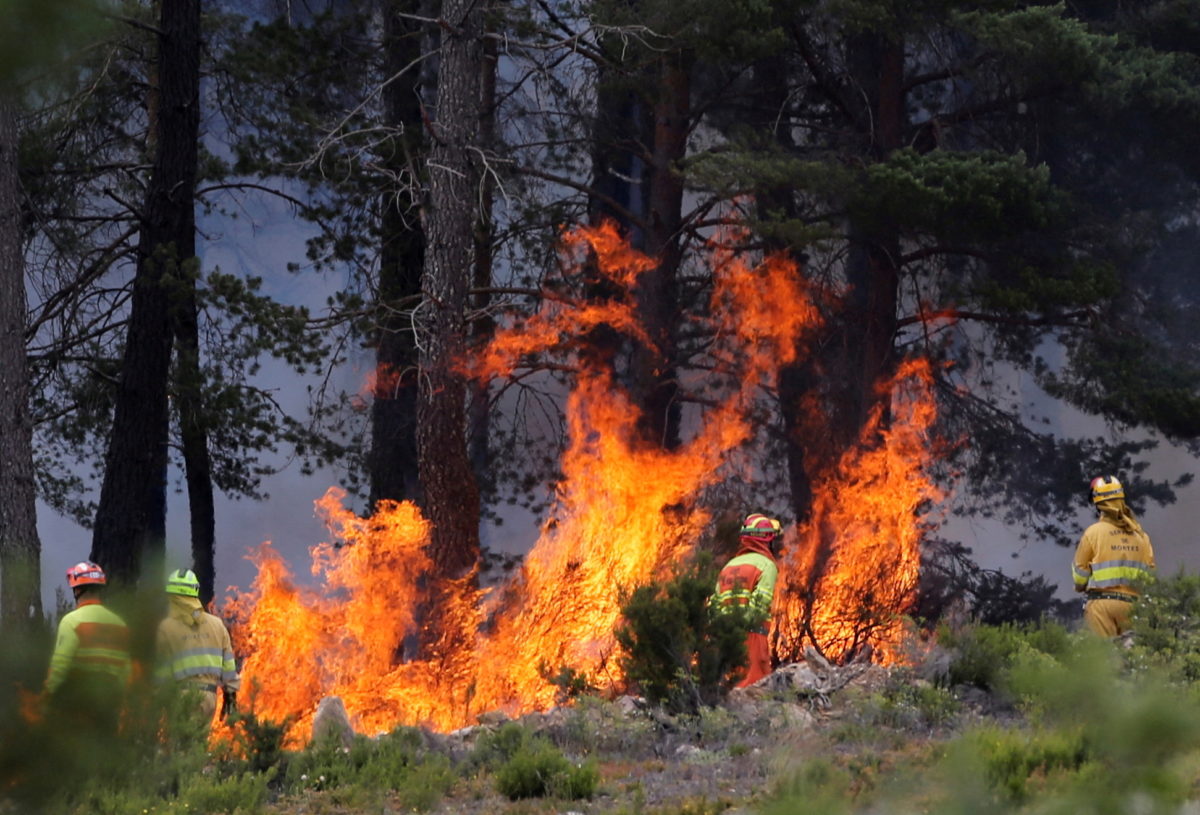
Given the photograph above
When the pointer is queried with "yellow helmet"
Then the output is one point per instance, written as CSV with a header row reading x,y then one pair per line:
x,y
1106,488
183,582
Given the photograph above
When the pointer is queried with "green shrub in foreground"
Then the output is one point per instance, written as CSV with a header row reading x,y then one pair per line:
x,y
395,762
539,769
1094,739
495,747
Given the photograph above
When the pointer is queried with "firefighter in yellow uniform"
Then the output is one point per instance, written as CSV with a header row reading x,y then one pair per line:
x,y
90,667
748,582
1113,555
194,648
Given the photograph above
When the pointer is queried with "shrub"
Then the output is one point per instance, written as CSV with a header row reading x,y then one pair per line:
x,y
592,726
244,794
986,652
259,740
538,769
1011,757
395,762
677,650
905,706
818,788
1166,628
495,747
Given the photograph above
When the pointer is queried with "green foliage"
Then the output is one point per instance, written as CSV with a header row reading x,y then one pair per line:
x,y
983,196
679,651
594,726
241,794
259,740
1093,738
538,769
819,788
1166,628
396,762
494,747
156,759
907,705
37,32
529,766
985,653
1011,758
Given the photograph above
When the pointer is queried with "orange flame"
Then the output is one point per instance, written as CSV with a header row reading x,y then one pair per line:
x,y
625,513
855,569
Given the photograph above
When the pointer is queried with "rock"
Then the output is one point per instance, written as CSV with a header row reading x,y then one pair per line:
x,y
332,722
493,718
798,679
630,705
790,717
464,733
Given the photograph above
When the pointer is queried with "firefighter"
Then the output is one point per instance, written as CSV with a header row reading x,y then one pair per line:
x,y
194,648
747,582
91,666
1113,555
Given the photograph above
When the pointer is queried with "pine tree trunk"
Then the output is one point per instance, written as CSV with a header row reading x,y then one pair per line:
x,y
20,573
451,215
392,463
653,369
131,517
193,431
482,325
868,324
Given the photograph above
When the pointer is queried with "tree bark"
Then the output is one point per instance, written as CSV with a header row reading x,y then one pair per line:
x,y
20,573
193,429
482,325
451,214
131,517
866,331
392,462
653,369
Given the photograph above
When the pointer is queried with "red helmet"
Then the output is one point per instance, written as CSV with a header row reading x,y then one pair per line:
x,y
85,573
759,527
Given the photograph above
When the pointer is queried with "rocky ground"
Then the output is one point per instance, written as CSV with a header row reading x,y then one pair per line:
x,y
726,759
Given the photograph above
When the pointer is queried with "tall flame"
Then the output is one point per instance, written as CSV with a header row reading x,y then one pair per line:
x,y
855,568
625,513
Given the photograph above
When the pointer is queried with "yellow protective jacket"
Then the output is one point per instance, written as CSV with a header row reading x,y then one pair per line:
x,y
1111,560
194,646
92,646
748,580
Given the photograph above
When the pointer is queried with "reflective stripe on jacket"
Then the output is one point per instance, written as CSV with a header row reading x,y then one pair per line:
x,y
747,580
197,651
92,641
1111,559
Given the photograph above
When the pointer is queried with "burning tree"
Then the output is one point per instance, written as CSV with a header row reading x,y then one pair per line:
x,y
625,513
